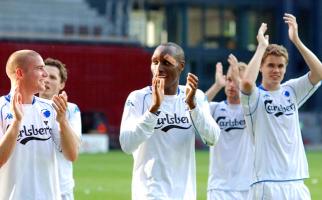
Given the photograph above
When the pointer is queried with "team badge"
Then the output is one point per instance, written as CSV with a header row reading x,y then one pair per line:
x,y
46,113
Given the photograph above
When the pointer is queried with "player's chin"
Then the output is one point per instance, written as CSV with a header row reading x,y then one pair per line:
x,y
42,88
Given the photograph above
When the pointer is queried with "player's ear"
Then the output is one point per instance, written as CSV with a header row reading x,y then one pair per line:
x,y
62,86
181,66
18,73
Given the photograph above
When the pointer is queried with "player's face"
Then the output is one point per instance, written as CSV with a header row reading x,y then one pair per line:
x,y
53,82
165,66
231,89
273,70
33,75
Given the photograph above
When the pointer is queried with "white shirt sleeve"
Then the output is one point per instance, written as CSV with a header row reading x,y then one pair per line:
x,y
74,119
55,131
202,120
136,126
303,88
250,101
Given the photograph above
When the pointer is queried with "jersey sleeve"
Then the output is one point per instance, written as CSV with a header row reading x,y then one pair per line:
x,y
55,130
303,88
74,119
213,108
250,101
137,125
202,121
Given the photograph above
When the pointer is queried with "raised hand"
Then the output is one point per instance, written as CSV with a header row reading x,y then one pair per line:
x,y
290,20
220,78
16,104
191,88
60,105
157,94
262,39
233,63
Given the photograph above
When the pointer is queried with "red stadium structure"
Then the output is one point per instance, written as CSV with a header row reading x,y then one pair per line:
x,y
100,76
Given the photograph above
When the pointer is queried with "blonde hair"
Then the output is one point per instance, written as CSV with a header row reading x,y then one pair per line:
x,y
19,59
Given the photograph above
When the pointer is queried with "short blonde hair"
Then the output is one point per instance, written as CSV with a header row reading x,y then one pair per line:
x,y
19,59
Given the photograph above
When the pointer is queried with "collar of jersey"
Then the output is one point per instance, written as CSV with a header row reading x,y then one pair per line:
x,y
8,97
262,87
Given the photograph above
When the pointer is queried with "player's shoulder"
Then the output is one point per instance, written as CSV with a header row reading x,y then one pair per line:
x,y
42,101
72,107
200,95
5,99
140,93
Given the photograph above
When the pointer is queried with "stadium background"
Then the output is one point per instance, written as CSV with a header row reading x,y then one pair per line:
x,y
107,44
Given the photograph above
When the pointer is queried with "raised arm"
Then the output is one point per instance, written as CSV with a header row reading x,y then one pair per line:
x,y
199,112
233,64
69,140
220,81
9,139
137,127
249,80
311,60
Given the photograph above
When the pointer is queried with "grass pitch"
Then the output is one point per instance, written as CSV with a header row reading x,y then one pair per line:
x,y
108,176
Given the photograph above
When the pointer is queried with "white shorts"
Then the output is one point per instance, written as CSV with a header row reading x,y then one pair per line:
x,y
226,195
67,196
287,190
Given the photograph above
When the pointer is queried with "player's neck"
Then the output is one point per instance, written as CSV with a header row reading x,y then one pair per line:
x,y
26,98
233,100
171,90
271,86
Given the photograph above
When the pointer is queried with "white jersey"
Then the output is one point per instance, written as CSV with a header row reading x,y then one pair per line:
x,y
65,166
272,119
231,160
163,144
31,173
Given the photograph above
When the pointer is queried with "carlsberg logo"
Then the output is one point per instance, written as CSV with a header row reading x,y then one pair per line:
x,y
27,134
280,109
166,123
230,124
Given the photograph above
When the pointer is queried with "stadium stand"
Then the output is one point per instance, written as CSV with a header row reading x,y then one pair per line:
x,y
51,19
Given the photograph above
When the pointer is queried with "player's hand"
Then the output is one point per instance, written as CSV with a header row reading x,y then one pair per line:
x,y
262,39
220,78
233,63
157,94
191,88
60,105
290,20
16,104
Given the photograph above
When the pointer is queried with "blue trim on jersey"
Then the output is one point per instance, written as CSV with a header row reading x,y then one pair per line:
x,y
8,97
278,181
262,87
2,112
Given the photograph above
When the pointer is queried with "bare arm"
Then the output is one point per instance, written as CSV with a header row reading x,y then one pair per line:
x,y
249,80
311,60
69,140
9,139
220,81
